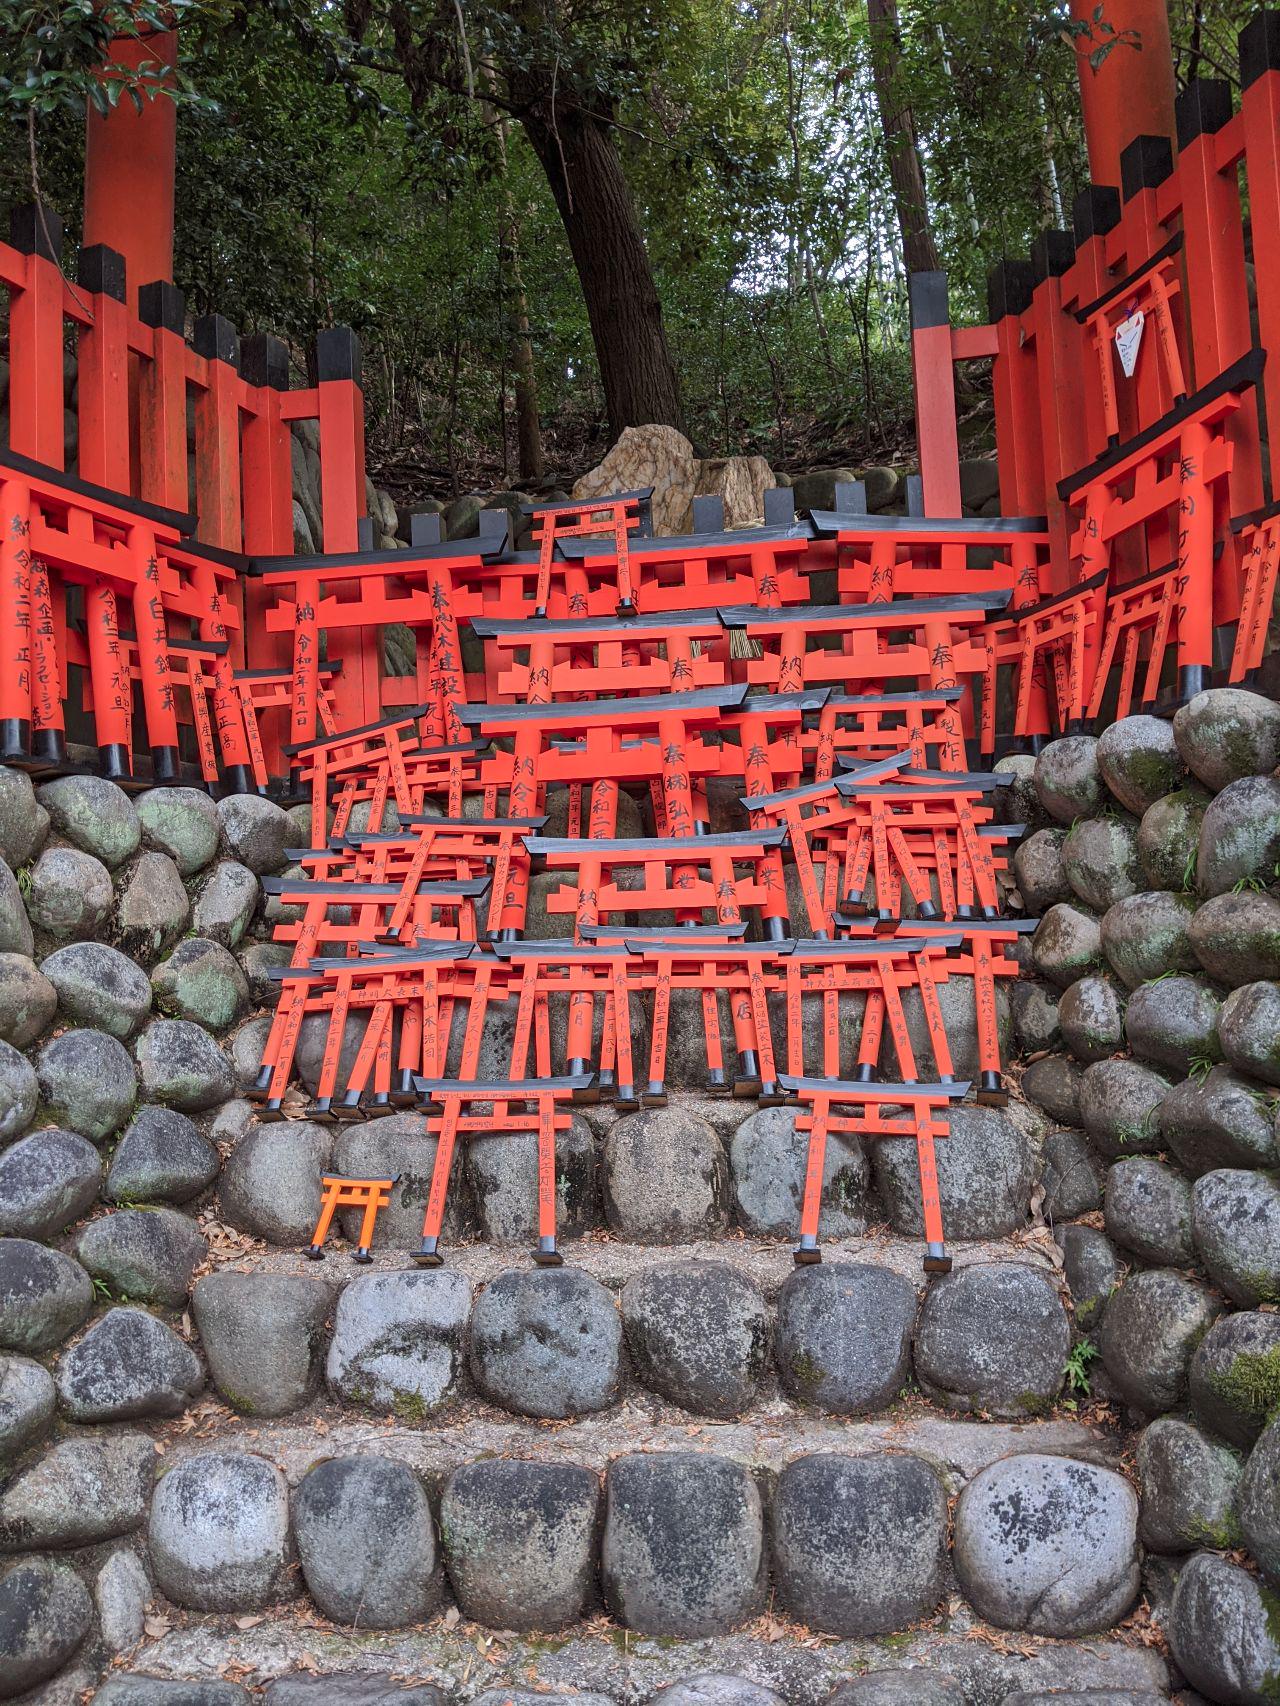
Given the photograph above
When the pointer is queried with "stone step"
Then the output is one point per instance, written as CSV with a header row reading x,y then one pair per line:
x,y
723,1328
465,1661
766,1440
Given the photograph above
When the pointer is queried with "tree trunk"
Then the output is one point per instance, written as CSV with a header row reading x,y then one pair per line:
x,y
515,308
905,167
580,159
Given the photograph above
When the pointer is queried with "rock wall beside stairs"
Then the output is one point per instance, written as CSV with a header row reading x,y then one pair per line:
x,y
1148,1014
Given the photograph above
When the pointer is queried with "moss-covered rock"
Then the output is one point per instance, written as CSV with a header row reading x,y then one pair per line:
x,y
1226,733
1139,761
1146,935
1169,838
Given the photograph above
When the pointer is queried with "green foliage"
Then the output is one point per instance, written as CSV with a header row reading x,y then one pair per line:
x,y
1199,1066
1083,1352
59,55
357,164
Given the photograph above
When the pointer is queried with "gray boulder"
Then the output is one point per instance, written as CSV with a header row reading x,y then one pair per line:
x,y
70,894
219,1532
226,904
19,1093
1067,778
1240,836
716,1689
1169,839
1233,1385
121,1594
270,1185
264,1337
398,1340
364,1688
843,1338
24,822
47,1180
547,1342
1222,1632
182,1066
1152,1326
666,1177
44,1296
255,832
132,1690
1034,1006
519,1542
1139,761
27,1400
1226,733
45,1615
682,1552
1189,1486
1173,1023
246,1046
403,1147
1260,1503
1048,1545
1090,1269
767,1156
502,1168
1067,945
152,907
1037,866
993,1339
203,981
366,1542
1100,860
1072,1176
1221,1120
94,814
1148,935
28,1000
859,1543
1120,1102
1091,1017
182,822
1235,1222
1236,937
128,1364
161,1157
1148,1211
698,1334
984,1145
1053,1084
87,1082
99,986
16,934
1018,802
147,1255
258,961
1249,1030
80,1492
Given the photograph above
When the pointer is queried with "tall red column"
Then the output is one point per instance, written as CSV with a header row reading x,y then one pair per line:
x,y
129,164
1131,92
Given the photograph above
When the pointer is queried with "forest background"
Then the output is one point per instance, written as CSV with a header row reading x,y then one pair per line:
x,y
550,219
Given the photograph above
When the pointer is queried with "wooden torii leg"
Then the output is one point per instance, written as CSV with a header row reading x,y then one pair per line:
x,y
813,1121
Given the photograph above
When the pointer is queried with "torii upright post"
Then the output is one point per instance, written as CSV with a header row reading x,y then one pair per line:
x,y
129,166
1126,78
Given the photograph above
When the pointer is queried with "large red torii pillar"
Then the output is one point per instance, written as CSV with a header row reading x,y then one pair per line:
x,y
129,167
1131,92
